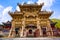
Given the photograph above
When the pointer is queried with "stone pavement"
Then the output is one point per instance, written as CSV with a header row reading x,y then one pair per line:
x,y
30,38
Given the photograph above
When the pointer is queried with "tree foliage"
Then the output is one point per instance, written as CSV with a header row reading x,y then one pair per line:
x,y
58,22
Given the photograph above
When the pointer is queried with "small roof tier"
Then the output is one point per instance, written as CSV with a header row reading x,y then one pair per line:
x,y
6,23
30,7
16,13
45,13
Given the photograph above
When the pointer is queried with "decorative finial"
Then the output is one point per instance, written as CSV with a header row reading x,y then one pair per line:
x,y
25,3
9,12
18,3
35,2
41,4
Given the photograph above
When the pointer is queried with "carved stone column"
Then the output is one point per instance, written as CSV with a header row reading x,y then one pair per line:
x,y
21,33
11,34
23,26
49,29
38,26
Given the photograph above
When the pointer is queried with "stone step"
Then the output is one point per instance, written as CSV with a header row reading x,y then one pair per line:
x,y
30,38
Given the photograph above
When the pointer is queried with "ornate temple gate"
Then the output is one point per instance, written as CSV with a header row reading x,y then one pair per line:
x,y
30,22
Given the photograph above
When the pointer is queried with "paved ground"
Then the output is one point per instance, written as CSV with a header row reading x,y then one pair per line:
x,y
30,38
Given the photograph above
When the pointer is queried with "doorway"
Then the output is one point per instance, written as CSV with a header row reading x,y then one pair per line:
x,y
44,31
17,33
30,30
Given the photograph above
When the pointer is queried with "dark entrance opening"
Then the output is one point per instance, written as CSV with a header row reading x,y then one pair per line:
x,y
17,32
30,29
30,33
44,31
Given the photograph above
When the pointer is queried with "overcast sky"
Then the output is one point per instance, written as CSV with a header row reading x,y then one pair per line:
x,y
11,5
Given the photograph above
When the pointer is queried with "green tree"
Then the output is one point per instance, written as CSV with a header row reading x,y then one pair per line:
x,y
58,22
